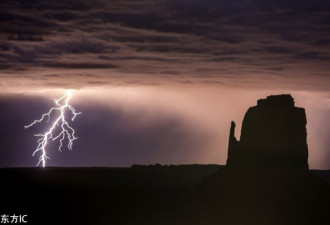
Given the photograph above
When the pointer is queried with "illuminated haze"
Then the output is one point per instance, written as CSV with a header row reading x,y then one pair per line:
x,y
159,81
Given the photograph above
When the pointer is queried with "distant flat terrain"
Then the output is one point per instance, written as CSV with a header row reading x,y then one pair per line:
x,y
136,195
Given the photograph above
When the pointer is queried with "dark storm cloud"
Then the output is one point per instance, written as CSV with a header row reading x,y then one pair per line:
x,y
74,47
145,39
321,42
80,65
129,58
219,35
280,49
11,23
63,16
25,38
25,19
312,55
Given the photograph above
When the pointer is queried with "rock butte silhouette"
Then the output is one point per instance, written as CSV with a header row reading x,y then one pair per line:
x,y
266,179
273,133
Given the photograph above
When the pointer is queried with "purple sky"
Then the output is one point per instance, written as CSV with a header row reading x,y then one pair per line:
x,y
159,81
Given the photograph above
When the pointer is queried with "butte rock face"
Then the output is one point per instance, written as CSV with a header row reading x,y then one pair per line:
x,y
273,133
266,180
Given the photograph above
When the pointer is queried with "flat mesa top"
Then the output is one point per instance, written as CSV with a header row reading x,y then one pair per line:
x,y
284,100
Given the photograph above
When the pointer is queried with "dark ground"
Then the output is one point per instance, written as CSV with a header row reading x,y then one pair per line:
x,y
137,195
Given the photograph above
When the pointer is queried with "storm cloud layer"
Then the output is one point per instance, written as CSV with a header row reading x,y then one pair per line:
x,y
158,81
95,42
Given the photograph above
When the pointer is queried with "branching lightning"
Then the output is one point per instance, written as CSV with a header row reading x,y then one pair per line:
x,y
65,130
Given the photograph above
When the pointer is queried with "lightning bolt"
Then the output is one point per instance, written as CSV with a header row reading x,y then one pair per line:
x,y
65,131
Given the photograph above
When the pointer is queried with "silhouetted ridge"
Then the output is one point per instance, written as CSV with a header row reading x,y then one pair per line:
x,y
273,133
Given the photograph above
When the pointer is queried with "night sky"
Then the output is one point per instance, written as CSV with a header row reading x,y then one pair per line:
x,y
158,81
